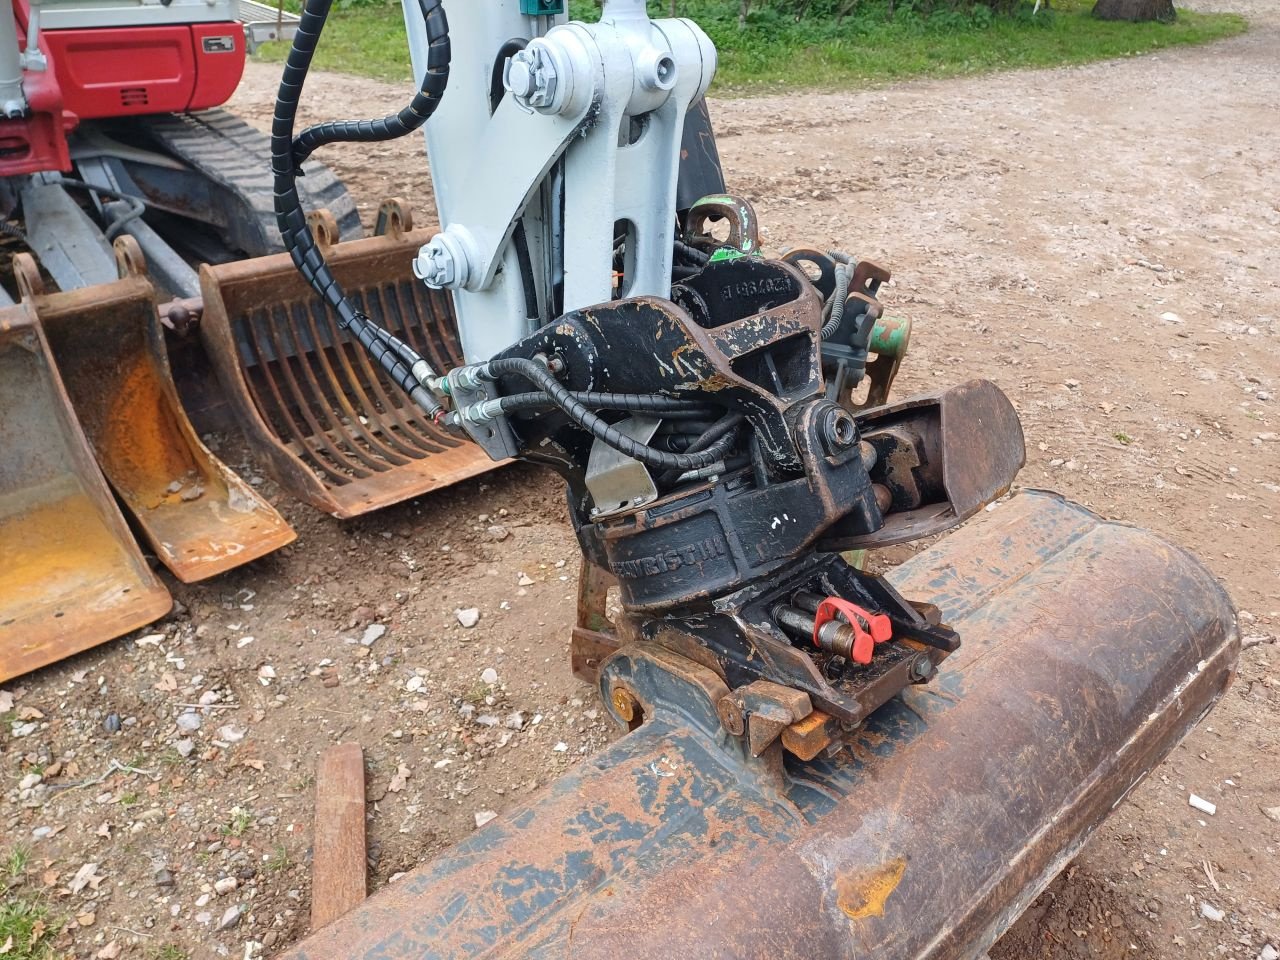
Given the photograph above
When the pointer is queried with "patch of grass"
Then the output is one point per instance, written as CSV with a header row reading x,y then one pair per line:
x,y
241,820
169,951
15,864
774,52
26,930
279,860
130,799
1123,438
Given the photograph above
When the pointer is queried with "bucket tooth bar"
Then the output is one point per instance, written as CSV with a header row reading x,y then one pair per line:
x,y
199,517
325,422
72,575
1091,649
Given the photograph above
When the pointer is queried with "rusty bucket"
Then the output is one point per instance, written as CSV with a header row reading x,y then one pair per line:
x,y
199,517
71,576
328,426
1090,649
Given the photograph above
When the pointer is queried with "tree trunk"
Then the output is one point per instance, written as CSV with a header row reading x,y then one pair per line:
x,y
673,9
744,7
1135,10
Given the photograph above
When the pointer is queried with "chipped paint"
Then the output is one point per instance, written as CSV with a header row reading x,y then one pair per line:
x,y
865,895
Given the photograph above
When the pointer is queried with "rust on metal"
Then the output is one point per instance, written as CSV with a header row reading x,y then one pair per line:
x,y
882,368
941,458
108,342
864,895
808,737
1090,650
328,425
743,225
72,576
595,636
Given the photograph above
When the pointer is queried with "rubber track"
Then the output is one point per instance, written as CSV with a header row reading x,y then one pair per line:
x,y
232,153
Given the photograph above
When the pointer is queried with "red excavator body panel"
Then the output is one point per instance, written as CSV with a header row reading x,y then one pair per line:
x,y
102,72
123,71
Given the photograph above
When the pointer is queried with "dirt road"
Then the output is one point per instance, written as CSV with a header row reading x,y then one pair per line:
x,y
1104,242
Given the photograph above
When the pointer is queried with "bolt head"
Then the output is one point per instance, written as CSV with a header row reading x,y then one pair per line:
x,y
624,703
434,265
923,669
531,78
519,79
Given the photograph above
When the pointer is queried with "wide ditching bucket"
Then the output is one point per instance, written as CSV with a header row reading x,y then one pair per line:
x,y
328,425
71,576
199,517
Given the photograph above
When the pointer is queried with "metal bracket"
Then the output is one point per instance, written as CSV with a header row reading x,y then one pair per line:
x,y
617,482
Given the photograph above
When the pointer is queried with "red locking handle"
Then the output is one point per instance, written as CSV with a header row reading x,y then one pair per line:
x,y
868,628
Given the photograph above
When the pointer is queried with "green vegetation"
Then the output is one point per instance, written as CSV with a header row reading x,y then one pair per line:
x,y
26,931
279,859
168,951
15,864
1123,438
241,820
868,46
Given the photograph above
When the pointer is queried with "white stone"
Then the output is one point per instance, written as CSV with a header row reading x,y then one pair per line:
x,y
1203,805
489,676
484,816
468,617
225,885
1210,912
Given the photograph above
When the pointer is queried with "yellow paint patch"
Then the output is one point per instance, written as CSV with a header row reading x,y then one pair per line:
x,y
864,895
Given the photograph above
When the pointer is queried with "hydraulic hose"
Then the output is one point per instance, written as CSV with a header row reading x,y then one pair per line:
x,y
14,231
137,206
719,439
717,432
837,302
603,431
401,363
666,407
419,110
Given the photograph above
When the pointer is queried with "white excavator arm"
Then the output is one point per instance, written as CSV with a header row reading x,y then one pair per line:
x,y
535,179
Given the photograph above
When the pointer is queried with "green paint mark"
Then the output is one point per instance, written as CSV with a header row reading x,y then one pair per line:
x,y
891,336
726,253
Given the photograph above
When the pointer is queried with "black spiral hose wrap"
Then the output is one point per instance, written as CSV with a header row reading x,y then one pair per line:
x,y
407,120
392,354
653,405
599,428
